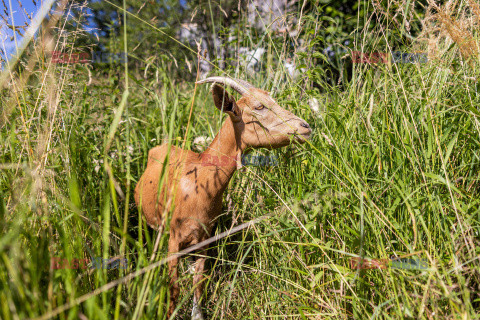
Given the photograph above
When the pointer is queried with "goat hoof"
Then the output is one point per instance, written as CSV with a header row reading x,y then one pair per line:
x,y
196,313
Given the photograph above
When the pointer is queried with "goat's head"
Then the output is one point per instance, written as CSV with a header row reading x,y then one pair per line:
x,y
259,119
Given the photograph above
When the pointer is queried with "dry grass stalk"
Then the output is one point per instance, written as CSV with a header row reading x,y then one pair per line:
x,y
457,29
475,7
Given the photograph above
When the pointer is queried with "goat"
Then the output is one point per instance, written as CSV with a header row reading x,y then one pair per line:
x,y
178,181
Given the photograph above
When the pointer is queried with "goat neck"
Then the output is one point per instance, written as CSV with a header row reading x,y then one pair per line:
x,y
222,155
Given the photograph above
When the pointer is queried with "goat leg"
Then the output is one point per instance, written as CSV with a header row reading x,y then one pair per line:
x,y
198,278
173,248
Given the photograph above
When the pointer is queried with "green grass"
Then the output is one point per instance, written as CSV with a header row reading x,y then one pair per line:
x,y
392,169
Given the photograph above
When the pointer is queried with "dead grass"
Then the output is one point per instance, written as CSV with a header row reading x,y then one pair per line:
x,y
449,22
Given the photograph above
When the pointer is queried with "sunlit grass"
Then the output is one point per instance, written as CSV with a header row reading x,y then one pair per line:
x,y
392,170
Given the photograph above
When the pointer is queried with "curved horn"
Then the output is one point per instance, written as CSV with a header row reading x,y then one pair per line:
x,y
240,86
246,84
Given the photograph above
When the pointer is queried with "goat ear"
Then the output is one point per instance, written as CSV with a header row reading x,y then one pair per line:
x,y
224,102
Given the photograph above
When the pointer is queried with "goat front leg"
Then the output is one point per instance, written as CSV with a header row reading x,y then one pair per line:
x,y
198,285
173,248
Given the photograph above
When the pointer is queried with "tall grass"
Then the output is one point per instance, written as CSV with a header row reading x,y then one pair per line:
x,y
392,170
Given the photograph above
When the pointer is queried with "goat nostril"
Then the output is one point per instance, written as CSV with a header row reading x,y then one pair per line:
x,y
305,125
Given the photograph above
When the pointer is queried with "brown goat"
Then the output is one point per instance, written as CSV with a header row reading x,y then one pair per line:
x,y
178,180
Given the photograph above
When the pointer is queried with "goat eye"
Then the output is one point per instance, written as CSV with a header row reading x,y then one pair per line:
x,y
261,107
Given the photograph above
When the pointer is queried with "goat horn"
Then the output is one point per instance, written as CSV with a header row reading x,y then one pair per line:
x,y
240,86
246,84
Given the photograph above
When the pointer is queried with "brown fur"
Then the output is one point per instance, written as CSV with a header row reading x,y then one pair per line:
x,y
192,188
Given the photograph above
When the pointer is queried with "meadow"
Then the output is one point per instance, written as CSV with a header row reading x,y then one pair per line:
x,y
392,171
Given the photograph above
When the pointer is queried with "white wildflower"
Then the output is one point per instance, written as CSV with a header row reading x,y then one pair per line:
x,y
201,142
